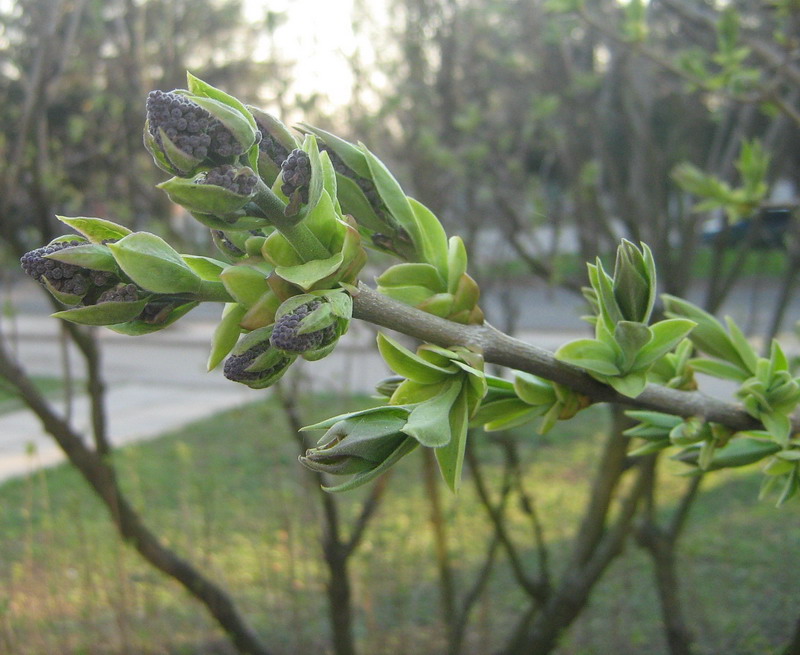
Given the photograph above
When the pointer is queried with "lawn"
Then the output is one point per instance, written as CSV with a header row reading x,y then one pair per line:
x,y
229,494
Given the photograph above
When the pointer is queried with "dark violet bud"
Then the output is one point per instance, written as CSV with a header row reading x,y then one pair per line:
x,y
296,174
120,293
241,181
287,336
64,278
255,362
181,134
338,163
270,146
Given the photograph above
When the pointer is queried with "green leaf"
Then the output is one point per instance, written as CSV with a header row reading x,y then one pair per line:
x,y
395,200
650,448
451,456
395,411
456,263
718,369
434,239
412,274
778,358
709,335
97,230
790,487
778,425
349,153
603,285
245,284
533,390
205,268
499,410
308,274
409,392
360,479
630,385
196,197
410,295
107,313
630,337
153,264
354,202
201,88
666,335
742,345
236,223
429,422
88,255
226,334
590,354
514,418
657,419
138,327
408,364
323,222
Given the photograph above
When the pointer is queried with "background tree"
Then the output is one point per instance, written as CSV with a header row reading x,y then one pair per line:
x,y
580,117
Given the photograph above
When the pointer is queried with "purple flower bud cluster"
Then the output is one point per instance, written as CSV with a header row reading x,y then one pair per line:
x,y
285,331
296,172
64,278
229,177
120,293
270,146
236,365
190,127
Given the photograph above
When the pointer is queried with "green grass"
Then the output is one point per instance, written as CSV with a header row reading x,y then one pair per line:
x,y
229,494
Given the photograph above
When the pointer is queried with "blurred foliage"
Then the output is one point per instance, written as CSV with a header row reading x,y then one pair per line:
x,y
512,116
73,79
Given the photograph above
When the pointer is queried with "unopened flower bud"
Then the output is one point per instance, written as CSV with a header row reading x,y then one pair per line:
x,y
271,147
296,174
120,293
286,333
67,279
241,181
255,362
220,192
181,134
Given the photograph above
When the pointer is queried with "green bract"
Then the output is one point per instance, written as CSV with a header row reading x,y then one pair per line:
x,y
363,444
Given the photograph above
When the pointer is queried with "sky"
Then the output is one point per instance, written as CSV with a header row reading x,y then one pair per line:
x,y
323,31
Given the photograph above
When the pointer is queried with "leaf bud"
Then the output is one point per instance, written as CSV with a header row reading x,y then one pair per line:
x,y
359,444
634,282
296,174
